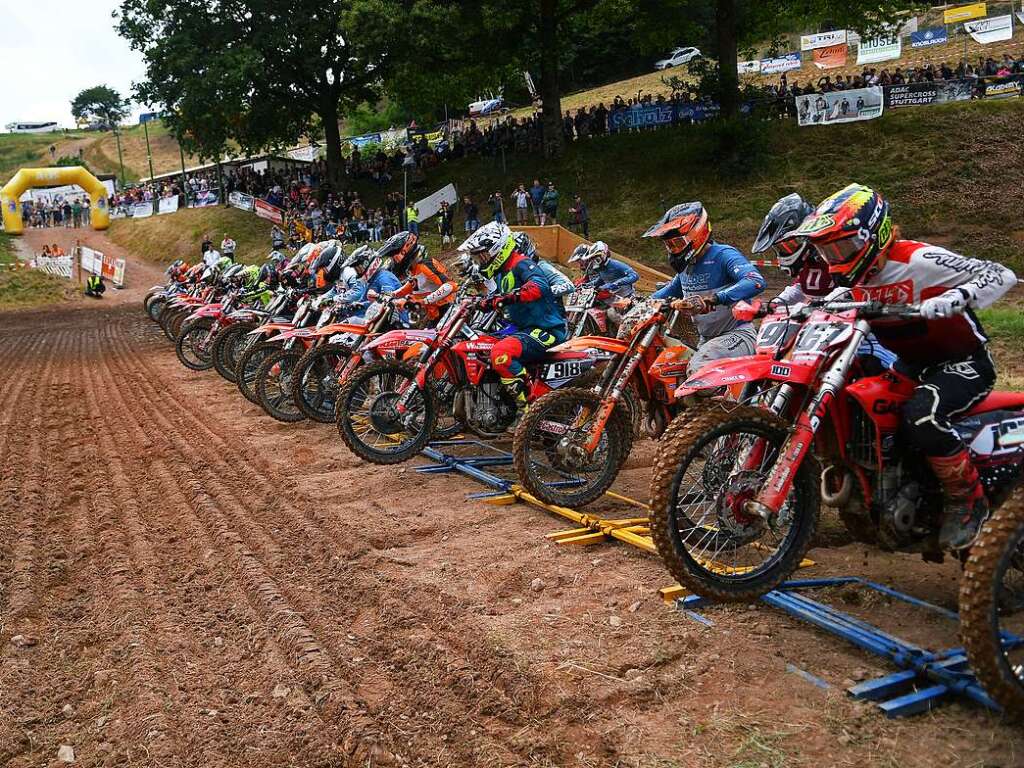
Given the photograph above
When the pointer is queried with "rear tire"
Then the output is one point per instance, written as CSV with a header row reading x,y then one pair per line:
x,y
275,380
997,554
364,414
189,347
543,470
686,443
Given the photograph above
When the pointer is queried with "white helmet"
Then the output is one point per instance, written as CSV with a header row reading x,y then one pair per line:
x,y
488,245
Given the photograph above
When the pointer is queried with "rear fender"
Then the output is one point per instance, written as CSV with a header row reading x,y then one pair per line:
x,y
210,310
737,371
270,328
400,339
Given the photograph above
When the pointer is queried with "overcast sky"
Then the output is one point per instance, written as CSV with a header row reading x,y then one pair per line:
x,y
52,49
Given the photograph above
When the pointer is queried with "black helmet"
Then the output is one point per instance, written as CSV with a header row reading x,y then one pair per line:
x,y
403,249
330,261
785,216
364,261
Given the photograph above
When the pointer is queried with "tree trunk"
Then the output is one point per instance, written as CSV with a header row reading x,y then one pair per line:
x,y
550,91
332,136
728,58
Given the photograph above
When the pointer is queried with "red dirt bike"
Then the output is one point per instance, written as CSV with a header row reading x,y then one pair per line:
x,y
589,310
174,311
194,345
228,343
388,410
572,443
737,488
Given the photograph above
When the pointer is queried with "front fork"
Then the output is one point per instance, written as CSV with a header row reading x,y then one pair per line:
x,y
779,482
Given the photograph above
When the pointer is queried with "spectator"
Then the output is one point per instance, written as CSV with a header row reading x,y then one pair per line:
x,y
444,223
522,201
472,214
228,246
549,205
536,196
206,244
581,216
497,207
412,219
277,239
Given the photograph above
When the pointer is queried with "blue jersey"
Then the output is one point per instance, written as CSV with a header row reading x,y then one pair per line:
x,y
538,306
617,277
722,272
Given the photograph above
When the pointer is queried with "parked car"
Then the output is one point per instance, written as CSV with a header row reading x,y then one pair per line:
x,y
678,57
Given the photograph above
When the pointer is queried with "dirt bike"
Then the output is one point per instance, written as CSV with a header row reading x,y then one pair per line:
x,y
194,345
257,345
572,443
229,341
737,489
593,311
174,312
388,410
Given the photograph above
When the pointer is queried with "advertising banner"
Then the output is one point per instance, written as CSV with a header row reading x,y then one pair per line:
x,y
265,210
167,204
142,210
309,153
909,27
991,30
840,106
784,63
431,204
831,57
876,49
639,116
748,67
241,200
822,40
1008,89
204,199
119,273
964,13
930,36
919,94
361,141
91,261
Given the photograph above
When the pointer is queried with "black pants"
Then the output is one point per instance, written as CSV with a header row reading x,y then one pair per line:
x,y
946,391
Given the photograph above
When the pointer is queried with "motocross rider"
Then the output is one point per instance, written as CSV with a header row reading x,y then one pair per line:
x,y
797,261
710,276
371,280
524,293
426,281
603,271
945,349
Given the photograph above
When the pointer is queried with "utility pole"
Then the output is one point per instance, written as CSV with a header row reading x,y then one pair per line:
x,y
184,189
149,152
120,156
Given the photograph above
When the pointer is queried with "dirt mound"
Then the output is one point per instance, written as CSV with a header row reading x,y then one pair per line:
x,y
184,582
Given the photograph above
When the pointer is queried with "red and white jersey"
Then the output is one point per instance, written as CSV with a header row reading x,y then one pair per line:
x,y
917,271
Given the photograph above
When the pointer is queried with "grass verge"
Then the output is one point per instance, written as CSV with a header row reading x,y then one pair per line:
x,y
25,288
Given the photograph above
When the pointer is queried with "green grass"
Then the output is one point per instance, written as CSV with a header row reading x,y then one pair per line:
x,y
178,235
1004,323
25,288
6,248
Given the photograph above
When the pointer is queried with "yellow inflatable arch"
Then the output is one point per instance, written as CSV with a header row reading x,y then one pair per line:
x,y
99,207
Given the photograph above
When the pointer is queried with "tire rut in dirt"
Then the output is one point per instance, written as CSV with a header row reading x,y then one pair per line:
x,y
1000,543
311,543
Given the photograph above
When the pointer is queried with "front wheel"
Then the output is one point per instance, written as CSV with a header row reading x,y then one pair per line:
x,y
225,347
369,420
550,451
193,345
315,381
992,606
274,382
708,466
249,363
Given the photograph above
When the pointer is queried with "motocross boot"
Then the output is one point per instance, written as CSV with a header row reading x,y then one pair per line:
x,y
966,506
517,386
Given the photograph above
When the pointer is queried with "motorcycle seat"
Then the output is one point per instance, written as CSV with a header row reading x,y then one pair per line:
x,y
999,401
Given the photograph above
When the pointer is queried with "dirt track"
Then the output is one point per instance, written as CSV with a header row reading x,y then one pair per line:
x,y
198,585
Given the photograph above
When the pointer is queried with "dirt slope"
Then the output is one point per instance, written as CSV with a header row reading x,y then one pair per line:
x,y
197,585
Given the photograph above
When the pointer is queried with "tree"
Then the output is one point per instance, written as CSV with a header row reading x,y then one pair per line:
x,y
101,102
260,74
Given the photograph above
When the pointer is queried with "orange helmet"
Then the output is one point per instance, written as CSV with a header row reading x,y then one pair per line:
x,y
849,231
685,230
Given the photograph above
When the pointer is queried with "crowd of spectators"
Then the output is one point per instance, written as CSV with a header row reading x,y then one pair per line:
x,y
61,211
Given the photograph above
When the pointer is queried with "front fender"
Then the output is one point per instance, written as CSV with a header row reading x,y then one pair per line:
x,y
585,343
401,339
742,370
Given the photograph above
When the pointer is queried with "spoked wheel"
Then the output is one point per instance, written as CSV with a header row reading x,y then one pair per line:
x,y
167,314
992,606
369,420
708,467
177,322
315,381
550,448
249,363
154,304
274,381
194,345
226,344
448,424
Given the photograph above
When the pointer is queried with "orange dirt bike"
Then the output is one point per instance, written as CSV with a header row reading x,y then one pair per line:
x,y
572,443
229,341
257,345
736,492
388,410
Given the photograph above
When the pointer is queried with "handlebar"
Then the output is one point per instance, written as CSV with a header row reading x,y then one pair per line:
x,y
866,309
